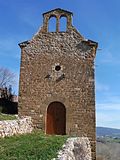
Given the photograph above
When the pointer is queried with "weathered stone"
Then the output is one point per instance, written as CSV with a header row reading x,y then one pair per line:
x,y
77,148
14,127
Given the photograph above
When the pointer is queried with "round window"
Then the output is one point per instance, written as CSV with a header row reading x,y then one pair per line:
x,y
57,68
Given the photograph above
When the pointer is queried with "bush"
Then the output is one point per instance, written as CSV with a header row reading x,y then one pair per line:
x,y
1,109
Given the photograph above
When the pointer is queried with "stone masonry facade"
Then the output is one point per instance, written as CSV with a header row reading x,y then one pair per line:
x,y
59,67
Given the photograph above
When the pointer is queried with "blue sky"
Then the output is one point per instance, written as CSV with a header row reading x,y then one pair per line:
x,y
97,20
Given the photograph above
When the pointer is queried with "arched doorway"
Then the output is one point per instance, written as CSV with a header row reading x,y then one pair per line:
x,y
56,119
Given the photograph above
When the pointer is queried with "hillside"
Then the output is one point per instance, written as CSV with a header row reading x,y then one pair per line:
x,y
108,150
111,132
108,143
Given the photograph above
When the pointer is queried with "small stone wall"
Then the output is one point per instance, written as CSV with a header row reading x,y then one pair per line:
x,y
77,148
14,127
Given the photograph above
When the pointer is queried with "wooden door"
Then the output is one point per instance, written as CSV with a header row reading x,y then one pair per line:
x,y
56,119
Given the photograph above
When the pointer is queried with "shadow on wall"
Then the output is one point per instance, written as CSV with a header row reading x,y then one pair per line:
x,y
8,107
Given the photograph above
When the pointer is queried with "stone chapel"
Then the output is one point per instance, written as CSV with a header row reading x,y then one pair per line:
x,y
57,81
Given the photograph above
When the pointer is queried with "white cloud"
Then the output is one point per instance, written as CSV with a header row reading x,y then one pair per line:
x,y
16,87
108,115
8,44
108,106
108,119
109,58
101,87
9,47
30,19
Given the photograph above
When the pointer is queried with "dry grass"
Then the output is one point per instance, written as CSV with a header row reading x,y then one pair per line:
x,y
99,158
108,151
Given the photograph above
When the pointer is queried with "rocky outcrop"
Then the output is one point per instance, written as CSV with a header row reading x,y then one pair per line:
x,y
77,148
14,127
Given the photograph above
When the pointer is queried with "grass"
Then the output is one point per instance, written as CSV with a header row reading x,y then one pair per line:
x,y
7,117
34,146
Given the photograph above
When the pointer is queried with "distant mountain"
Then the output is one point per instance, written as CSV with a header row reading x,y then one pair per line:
x,y
103,131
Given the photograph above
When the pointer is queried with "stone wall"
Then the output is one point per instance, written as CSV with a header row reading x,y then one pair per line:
x,y
14,127
77,148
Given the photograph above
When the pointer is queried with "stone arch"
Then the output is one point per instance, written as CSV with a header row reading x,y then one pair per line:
x,y
56,118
